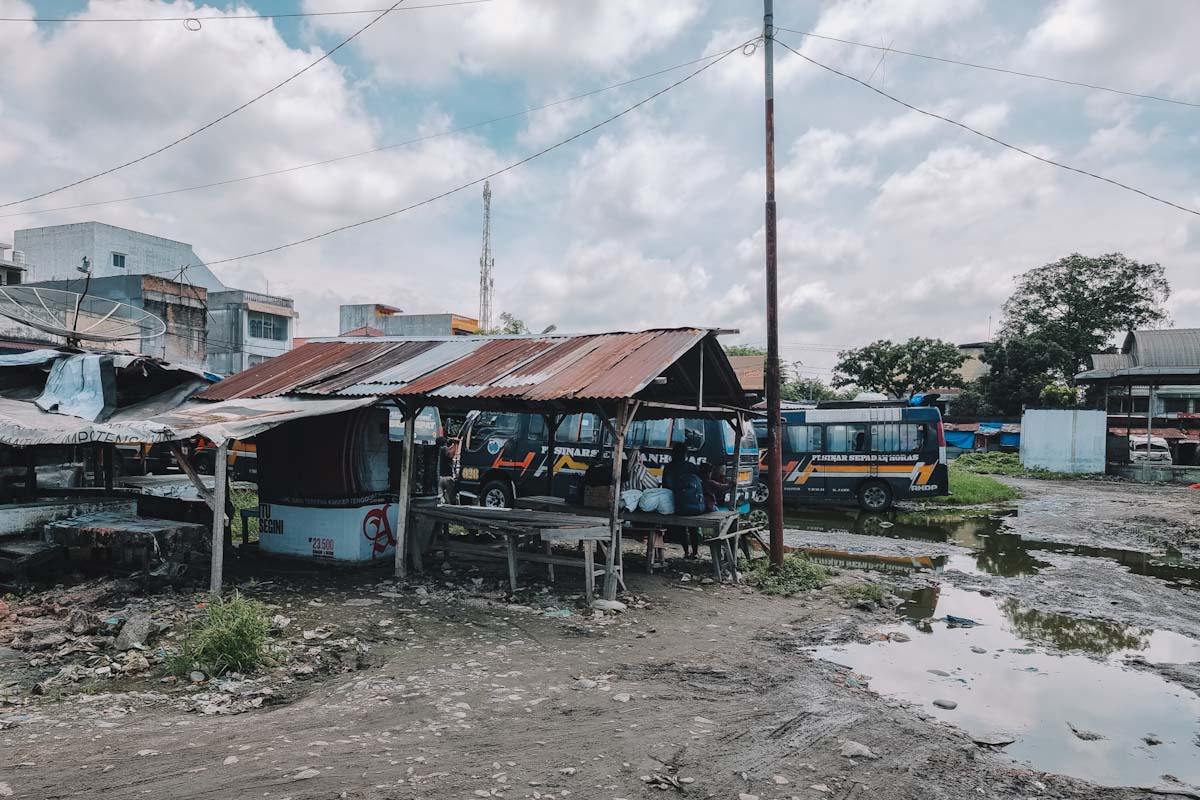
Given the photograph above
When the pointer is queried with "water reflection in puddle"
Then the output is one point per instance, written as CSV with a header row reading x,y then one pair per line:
x,y
1014,687
994,551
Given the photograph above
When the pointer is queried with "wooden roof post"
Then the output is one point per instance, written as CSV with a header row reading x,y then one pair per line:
x,y
221,473
406,472
626,411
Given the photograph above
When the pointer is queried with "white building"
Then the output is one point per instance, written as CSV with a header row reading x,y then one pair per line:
x,y
242,329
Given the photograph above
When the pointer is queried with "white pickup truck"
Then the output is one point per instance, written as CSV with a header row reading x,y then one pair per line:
x,y
1156,451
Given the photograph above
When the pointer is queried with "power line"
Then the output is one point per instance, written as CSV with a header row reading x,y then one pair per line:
x,y
418,140
1000,142
1052,79
489,176
221,118
220,18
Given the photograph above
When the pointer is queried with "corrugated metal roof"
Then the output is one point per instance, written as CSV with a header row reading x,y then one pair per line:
x,y
530,369
1171,347
1171,355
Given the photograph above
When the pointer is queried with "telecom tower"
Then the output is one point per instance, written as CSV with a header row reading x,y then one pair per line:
x,y
486,262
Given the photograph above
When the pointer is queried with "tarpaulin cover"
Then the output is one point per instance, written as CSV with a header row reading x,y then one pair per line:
x,y
81,386
961,439
23,424
1010,439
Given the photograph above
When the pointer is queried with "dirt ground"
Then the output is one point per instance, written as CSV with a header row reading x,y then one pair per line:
x,y
1109,514
695,690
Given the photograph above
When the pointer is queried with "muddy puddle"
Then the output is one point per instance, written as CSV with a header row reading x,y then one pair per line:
x,y
994,551
1092,717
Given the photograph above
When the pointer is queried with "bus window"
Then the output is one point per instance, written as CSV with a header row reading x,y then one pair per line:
x,y
655,433
568,430
690,431
897,438
589,429
490,424
537,428
846,438
804,438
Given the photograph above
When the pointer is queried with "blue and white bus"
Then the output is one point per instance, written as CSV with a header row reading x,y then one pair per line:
x,y
870,456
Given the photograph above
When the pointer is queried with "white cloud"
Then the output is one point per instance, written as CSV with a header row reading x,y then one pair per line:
x,y
534,40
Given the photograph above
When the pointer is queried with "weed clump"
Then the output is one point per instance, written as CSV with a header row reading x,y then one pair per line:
x,y
231,636
863,593
797,574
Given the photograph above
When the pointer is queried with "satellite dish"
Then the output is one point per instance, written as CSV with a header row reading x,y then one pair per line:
x,y
76,316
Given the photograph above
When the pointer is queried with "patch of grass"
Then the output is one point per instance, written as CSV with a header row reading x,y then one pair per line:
x,y
230,636
970,489
1007,464
862,592
243,497
798,574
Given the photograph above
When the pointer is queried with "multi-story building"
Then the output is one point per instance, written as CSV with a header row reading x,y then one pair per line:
x,y
246,328
377,319
239,328
12,265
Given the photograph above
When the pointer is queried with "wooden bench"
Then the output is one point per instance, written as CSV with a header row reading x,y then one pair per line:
x,y
514,527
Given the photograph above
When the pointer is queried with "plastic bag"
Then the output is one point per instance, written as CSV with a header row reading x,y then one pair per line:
x,y
652,499
630,499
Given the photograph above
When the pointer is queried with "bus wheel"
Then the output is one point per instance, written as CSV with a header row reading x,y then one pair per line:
x,y
496,494
760,493
875,496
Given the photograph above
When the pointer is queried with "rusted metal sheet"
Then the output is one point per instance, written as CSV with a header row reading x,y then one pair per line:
x,y
534,369
279,374
399,353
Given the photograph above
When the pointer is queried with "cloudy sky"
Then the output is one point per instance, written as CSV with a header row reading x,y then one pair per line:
x,y
891,224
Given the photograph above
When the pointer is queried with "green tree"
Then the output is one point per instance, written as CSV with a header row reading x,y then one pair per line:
x,y
900,369
1058,395
1081,302
1019,368
812,390
744,350
509,326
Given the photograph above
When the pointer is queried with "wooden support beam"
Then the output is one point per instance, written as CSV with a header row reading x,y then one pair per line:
x,y
625,414
406,472
110,466
190,471
218,529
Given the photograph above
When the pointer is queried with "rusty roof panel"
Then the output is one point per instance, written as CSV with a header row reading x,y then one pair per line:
x,y
281,371
522,369
491,351
642,364
399,353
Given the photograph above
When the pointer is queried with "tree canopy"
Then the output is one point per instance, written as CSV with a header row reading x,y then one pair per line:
x,y
1021,367
900,369
744,350
1081,302
509,326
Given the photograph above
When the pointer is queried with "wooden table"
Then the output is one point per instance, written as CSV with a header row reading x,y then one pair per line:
x,y
720,528
514,525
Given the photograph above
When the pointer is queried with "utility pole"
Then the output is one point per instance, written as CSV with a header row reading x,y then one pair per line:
x,y
486,262
774,442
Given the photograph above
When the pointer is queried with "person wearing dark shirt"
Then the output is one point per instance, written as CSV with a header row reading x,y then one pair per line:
x,y
445,470
673,478
716,488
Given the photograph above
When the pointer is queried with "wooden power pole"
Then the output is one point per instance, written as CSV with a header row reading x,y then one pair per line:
x,y
773,377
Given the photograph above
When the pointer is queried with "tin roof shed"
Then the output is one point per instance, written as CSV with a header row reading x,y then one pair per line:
x,y
667,370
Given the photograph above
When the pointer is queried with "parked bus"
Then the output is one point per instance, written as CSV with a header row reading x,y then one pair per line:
x,y
504,455
871,456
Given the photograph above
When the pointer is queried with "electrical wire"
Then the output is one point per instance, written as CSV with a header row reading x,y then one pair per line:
x,y
219,119
993,139
1064,81
336,159
535,155
220,18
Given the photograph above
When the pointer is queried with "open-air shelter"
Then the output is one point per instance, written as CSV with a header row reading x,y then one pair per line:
x,y
619,376
1150,359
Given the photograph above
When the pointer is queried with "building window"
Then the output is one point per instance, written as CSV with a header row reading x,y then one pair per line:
x,y
119,260
268,326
